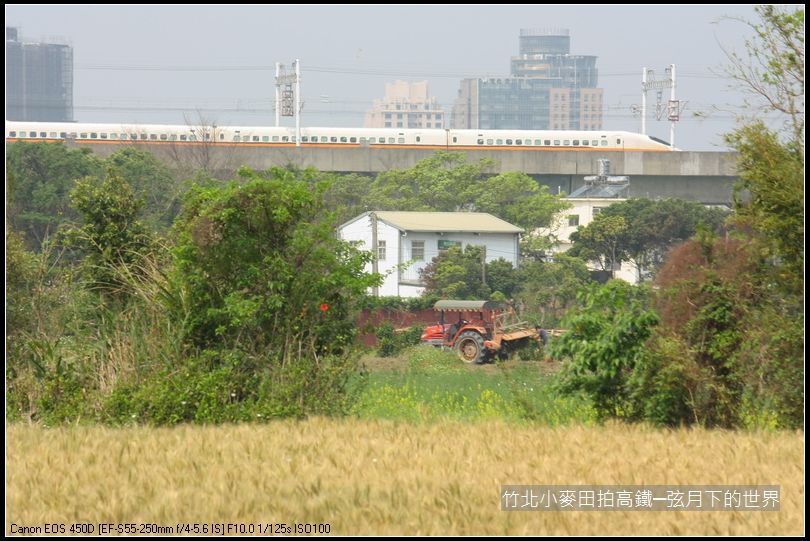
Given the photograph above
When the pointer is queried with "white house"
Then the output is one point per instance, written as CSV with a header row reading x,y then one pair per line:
x,y
582,212
407,241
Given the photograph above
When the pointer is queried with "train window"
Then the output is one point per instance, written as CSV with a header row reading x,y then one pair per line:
x,y
43,134
192,137
584,142
490,141
292,139
82,136
352,139
183,137
164,137
538,142
173,137
285,139
304,138
343,140
556,142
419,139
480,141
144,137
391,140
12,134
102,135
53,135
275,138
265,138
153,137
566,142
245,138
547,142
595,143
114,136
604,143
576,142
256,138
618,141
455,139
518,141
63,135
372,139
382,140
401,140
32,134
93,135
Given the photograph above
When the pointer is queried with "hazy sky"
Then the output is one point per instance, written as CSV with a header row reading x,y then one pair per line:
x,y
153,63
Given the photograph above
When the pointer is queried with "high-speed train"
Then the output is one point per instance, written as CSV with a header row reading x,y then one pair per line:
x,y
448,139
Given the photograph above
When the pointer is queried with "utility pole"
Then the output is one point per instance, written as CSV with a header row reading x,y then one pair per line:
x,y
484,264
375,251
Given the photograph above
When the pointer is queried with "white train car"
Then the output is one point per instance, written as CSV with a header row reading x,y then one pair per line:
x,y
502,140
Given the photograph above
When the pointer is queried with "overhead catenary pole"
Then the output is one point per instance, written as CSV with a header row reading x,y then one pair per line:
x,y
278,96
673,117
297,103
644,101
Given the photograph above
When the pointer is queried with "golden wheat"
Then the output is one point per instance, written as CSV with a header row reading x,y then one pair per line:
x,y
366,477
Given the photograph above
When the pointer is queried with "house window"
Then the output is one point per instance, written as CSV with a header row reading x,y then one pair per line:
x,y
445,245
418,250
573,220
380,250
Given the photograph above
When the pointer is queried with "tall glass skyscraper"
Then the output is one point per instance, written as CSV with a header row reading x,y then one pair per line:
x,y
548,89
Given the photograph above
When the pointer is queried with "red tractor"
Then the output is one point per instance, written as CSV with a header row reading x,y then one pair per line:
x,y
483,330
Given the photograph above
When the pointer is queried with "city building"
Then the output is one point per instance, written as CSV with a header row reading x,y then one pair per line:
x,y
39,80
407,241
406,105
548,89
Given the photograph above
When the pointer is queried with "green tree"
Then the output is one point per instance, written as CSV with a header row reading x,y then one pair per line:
x,y
39,179
773,70
602,241
653,227
547,289
110,235
152,182
463,274
604,343
260,260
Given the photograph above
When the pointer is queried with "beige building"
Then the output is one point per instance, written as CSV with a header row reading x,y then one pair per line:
x,y
406,105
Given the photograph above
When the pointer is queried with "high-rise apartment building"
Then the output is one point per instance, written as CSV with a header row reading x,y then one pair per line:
x,y
39,80
406,105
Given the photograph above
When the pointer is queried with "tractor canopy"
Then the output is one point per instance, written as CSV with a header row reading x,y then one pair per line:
x,y
467,306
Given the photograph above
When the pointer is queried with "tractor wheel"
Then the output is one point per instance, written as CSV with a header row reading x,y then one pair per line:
x,y
470,347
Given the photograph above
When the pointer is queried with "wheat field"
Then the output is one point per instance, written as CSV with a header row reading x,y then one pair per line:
x,y
381,477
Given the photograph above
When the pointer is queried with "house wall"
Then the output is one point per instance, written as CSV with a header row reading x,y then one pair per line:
x,y
405,282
